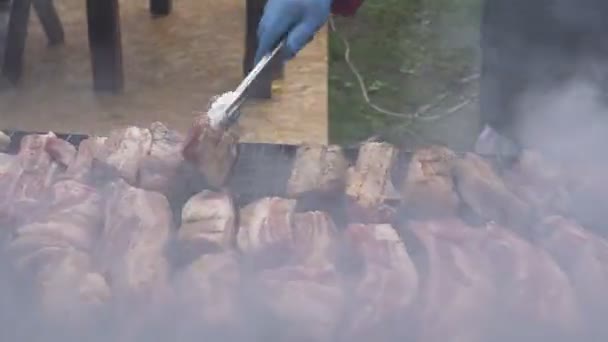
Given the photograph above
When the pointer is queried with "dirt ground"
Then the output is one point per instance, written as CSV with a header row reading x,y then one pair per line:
x,y
173,66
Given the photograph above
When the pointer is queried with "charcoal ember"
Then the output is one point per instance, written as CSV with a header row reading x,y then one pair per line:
x,y
319,170
212,150
207,292
131,252
123,152
266,230
314,235
5,142
384,296
456,290
533,291
159,169
30,174
303,302
70,216
540,183
584,258
370,192
428,190
487,195
69,291
208,224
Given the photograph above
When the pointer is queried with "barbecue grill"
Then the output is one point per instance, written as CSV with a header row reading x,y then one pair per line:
x,y
261,169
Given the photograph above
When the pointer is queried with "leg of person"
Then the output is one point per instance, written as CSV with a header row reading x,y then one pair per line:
x,y
105,44
4,5
50,21
12,65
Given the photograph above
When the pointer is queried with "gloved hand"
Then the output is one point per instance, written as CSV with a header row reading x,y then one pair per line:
x,y
299,20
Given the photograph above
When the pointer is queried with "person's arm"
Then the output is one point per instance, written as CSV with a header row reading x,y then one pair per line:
x,y
345,7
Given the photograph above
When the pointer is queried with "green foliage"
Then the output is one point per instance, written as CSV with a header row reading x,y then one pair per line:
x,y
407,51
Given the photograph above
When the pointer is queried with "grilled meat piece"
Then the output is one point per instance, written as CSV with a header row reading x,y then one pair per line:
x,y
208,224
135,234
428,190
266,230
385,294
69,291
212,151
370,191
28,176
317,169
487,195
70,216
124,151
159,168
584,258
534,294
456,288
207,292
314,235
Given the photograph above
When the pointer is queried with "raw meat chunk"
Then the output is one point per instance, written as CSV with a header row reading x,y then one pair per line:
x,y
487,195
213,151
124,151
428,190
158,169
386,292
266,231
317,169
370,190
132,248
208,224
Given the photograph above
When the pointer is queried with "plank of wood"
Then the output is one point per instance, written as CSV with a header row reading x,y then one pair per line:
x,y
12,66
105,43
50,21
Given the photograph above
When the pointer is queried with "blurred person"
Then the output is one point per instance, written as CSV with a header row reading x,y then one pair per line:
x,y
543,73
543,76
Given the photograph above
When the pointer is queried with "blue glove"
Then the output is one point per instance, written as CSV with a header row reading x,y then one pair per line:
x,y
298,20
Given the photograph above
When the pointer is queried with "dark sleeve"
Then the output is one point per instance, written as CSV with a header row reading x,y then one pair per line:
x,y
345,7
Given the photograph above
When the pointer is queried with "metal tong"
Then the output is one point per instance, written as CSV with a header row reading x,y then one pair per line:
x,y
233,111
